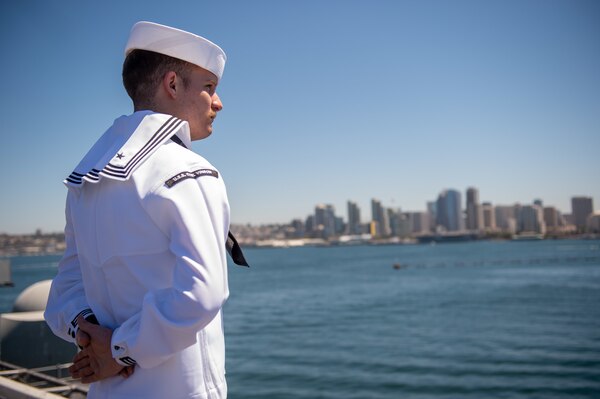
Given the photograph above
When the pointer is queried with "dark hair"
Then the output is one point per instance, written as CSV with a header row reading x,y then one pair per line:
x,y
143,71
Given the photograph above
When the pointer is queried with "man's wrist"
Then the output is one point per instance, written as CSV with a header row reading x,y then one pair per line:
x,y
120,352
125,361
87,314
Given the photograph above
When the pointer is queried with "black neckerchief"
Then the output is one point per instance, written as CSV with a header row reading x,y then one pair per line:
x,y
233,248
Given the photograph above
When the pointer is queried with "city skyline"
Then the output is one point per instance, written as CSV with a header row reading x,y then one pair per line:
x,y
360,209
323,101
445,220
363,215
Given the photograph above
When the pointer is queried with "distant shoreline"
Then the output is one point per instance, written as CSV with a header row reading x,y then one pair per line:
x,y
54,245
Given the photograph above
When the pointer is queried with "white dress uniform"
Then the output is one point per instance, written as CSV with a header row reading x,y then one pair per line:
x,y
147,223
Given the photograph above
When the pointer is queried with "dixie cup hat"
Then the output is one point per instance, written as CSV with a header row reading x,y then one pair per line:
x,y
177,43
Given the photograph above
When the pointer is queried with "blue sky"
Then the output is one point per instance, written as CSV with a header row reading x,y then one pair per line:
x,y
324,101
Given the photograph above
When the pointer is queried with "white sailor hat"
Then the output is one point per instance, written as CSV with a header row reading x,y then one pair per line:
x,y
178,44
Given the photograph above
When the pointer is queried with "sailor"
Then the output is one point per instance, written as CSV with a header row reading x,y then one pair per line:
x,y
144,276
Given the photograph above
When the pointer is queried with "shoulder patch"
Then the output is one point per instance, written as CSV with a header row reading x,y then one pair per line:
x,y
179,177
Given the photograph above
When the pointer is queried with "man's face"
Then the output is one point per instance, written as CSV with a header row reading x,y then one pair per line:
x,y
199,103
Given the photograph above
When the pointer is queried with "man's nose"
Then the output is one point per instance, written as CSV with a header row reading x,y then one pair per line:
x,y
216,105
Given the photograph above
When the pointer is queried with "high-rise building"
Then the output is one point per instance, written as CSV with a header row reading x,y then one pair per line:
x,y
394,217
474,212
380,217
354,226
340,226
449,213
593,223
405,224
420,222
297,228
581,208
325,220
531,219
400,223
552,218
506,219
489,216
310,226
432,211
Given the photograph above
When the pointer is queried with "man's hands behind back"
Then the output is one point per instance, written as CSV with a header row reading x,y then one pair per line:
x,y
95,362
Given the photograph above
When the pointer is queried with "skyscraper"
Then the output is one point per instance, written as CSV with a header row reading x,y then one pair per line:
x,y
400,223
325,220
432,211
489,216
474,210
551,218
506,218
581,208
531,219
380,218
420,222
449,213
354,226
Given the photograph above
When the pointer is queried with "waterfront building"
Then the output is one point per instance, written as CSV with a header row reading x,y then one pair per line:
x,y
325,220
506,219
354,226
489,216
309,226
568,219
379,215
405,225
449,213
400,223
432,211
394,220
340,226
297,229
593,223
581,208
374,229
474,220
531,219
552,218
420,222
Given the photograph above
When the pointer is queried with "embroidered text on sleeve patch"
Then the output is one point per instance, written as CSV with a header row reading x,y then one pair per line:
x,y
179,177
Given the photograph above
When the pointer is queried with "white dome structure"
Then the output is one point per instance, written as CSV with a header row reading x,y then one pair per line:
x,y
33,298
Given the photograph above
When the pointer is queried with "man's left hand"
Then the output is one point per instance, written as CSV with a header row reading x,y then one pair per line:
x,y
95,362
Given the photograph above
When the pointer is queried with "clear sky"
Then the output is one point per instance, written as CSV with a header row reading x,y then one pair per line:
x,y
324,101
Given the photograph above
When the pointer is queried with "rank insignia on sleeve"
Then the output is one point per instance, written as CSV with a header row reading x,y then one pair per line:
x,y
179,177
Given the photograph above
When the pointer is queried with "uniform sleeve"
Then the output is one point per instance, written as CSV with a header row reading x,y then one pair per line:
x,y
194,214
67,300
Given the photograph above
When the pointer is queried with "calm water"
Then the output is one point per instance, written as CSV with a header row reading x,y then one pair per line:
x,y
473,320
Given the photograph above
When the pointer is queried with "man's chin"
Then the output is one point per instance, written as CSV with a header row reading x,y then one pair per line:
x,y
203,135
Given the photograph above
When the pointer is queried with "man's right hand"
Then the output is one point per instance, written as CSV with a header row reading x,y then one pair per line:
x,y
95,362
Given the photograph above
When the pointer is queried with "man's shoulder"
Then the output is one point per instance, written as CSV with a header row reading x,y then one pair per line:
x,y
170,161
173,155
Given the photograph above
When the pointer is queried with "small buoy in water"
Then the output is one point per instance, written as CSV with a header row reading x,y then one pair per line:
x,y
397,266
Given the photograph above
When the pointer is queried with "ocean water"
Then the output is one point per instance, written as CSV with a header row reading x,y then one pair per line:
x,y
464,320
470,320
26,270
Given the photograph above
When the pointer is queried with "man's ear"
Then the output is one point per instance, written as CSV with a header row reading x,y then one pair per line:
x,y
170,84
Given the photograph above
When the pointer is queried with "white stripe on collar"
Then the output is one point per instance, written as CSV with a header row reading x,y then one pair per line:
x,y
125,146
